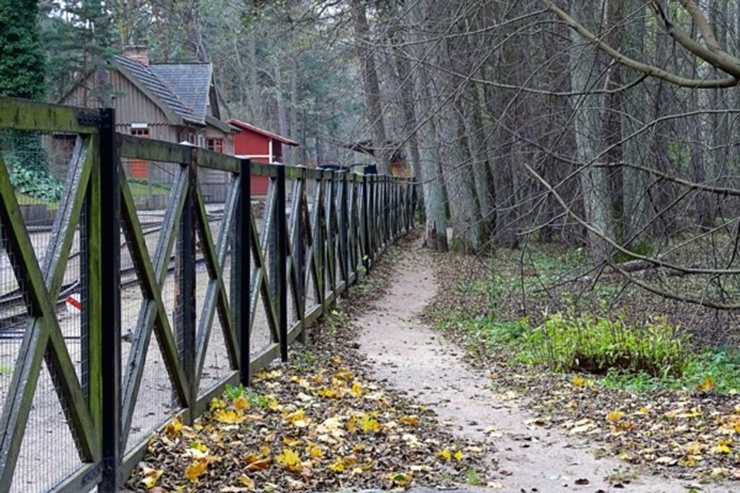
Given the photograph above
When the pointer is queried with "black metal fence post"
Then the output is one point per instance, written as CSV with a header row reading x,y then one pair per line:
x,y
282,261
110,317
373,219
365,224
241,277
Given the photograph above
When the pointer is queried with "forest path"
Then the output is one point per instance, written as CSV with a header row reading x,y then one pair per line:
x,y
525,458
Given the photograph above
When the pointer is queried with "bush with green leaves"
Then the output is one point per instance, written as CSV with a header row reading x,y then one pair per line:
x,y
27,161
597,345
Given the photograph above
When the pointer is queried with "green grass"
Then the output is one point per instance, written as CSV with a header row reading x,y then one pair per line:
x,y
649,356
142,188
607,330
720,365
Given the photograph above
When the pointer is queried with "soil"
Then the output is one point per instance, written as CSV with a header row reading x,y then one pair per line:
x,y
406,354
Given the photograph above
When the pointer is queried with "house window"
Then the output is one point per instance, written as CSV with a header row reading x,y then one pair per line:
x,y
140,132
215,145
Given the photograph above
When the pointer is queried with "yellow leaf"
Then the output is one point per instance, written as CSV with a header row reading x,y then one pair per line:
x,y
247,481
240,403
643,410
577,381
706,385
217,403
458,455
290,459
252,457
195,469
337,466
173,428
228,416
352,424
329,393
446,454
368,424
150,476
356,389
316,452
614,416
412,420
337,360
723,446
295,416
343,374
291,442
274,405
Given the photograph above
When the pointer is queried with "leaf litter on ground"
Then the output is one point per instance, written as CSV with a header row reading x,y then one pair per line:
x,y
318,423
691,434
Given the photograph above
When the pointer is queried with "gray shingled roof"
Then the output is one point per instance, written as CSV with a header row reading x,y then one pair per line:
x,y
191,81
161,89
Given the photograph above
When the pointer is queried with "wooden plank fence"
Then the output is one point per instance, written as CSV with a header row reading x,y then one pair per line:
x,y
196,289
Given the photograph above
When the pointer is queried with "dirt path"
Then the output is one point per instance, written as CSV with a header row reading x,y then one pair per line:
x,y
526,458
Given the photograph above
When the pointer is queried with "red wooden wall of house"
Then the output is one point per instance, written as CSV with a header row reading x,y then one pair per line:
x,y
262,147
247,143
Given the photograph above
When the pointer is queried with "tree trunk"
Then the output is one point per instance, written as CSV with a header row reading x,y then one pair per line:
x,y
370,86
588,131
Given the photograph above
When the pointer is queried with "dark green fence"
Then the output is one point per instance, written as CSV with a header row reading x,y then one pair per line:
x,y
114,318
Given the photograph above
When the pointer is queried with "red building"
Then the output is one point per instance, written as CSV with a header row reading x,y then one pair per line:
x,y
260,146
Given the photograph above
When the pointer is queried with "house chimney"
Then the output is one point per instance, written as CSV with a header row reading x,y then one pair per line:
x,y
138,53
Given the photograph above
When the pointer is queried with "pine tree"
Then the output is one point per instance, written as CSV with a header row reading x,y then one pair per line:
x,y
21,53
22,72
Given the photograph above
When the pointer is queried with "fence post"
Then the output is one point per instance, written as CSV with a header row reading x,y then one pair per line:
x,y
282,261
365,220
373,217
185,316
109,217
344,256
242,276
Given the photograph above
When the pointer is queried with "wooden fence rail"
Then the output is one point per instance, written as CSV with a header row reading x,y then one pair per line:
x,y
208,284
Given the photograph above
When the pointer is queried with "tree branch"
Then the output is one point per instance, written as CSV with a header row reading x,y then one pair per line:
x,y
650,70
717,58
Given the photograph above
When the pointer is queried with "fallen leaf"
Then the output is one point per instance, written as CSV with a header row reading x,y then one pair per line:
x,y
173,428
706,385
228,416
259,465
150,476
290,459
195,469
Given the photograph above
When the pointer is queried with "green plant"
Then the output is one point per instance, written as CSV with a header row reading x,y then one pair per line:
x,y
256,399
596,344
472,477
234,392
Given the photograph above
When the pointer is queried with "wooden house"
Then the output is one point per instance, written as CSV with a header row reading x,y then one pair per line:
x,y
260,146
174,102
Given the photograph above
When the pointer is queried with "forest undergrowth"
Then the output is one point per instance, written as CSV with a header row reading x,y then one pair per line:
x,y
652,381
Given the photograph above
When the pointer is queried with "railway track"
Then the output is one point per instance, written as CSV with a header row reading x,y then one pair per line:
x,y
13,311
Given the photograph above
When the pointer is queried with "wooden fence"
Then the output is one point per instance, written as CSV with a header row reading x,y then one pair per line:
x,y
206,285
